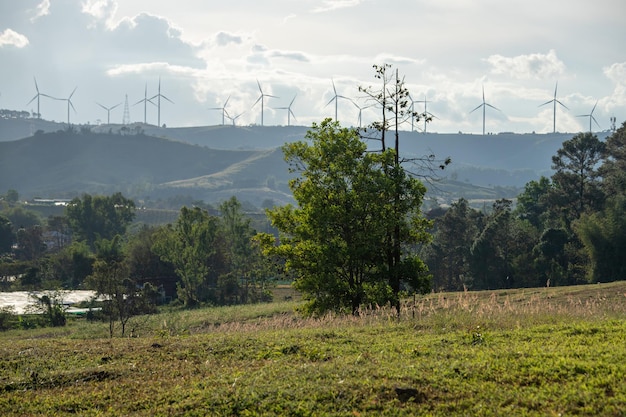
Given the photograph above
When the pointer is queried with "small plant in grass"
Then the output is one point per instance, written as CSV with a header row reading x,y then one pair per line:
x,y
8,318
477,336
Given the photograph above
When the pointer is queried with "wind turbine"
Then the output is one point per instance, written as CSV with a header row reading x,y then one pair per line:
x,y
234,119
145,102
590,116
108,109
158,97
554,101
426,112
484,105
223,109
336,98
69,103
289,111
261,99
360,111
37,96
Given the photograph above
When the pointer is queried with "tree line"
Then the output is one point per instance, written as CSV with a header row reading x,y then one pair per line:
x,y
566,229
201,259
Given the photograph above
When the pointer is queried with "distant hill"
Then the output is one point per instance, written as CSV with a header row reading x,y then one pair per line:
x,y
63,164
213,163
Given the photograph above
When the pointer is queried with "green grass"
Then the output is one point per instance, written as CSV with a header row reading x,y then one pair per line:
x,y
543,352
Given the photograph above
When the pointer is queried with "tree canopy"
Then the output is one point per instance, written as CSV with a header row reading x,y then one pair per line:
x,y
335,241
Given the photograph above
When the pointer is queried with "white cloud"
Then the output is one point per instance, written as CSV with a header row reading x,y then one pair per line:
x,y
225,38
41,10
330,5
531,66
101,10
616,73
11,38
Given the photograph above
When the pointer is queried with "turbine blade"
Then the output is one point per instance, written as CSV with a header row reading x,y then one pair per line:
x,y
495,108
562,104
73,91
477,107
167,99
226,102
117,105
102,106
547,102
594,119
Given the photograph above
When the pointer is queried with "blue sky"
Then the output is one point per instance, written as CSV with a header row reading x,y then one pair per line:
x,y
207,51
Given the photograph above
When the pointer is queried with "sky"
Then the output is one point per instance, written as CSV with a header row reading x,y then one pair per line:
x,y
204,52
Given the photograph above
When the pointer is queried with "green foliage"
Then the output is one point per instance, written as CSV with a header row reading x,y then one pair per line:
x,y
349,199
8,318
99,217
613,168
576,179
449,253
190,245
7,236
532,202
50,306
111,280
603,235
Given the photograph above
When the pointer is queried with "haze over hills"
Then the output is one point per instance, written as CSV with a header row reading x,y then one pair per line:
x,y
213,163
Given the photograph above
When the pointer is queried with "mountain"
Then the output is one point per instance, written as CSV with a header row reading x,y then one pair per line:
x,y
213,163
64,164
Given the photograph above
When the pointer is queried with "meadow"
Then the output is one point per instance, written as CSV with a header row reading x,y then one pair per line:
x,y
527,352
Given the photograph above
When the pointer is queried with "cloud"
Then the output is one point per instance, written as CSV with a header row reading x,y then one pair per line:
x,y
41,10
291,55
396,59
330,5
616,73
11,38
103,10
225,38
531,66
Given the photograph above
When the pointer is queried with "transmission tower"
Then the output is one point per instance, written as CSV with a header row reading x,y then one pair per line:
x,y
613,121
126,117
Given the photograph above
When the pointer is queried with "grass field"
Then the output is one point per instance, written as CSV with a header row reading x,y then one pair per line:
x,y
543,352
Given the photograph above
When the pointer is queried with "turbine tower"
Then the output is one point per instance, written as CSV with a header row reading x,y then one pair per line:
x,y
108,109
484,105
289,111
336,98
145,100
37,96
426,112
359,119
158,97
261,99
554,101
223,109
590,116
234,119
69,103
